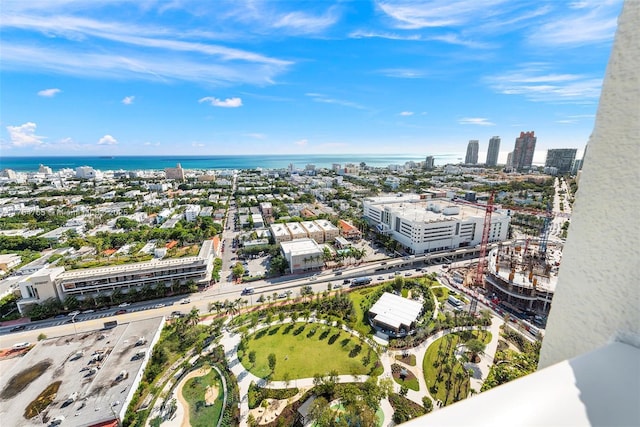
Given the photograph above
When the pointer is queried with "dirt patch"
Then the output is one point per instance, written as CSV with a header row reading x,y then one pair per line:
x,y
185,405
22,379
210,395
43,400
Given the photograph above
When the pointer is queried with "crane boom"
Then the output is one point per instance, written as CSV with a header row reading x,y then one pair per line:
x,y
485,240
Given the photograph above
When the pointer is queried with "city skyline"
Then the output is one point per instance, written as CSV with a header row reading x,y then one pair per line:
x,y
280,77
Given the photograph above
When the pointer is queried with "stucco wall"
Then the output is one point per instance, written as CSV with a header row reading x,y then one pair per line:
x,y
598,295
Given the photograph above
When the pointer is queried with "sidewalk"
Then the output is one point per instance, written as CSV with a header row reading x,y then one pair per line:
x,y
230,342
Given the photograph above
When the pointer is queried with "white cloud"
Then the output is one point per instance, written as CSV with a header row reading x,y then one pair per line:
x,y
478,121
300,22
134,51
535,83
24,135
197,144
407,113
256,135
227,103
318,97
155,144
49,93
585,23
403,73
411,14
107,140
128,100
302,142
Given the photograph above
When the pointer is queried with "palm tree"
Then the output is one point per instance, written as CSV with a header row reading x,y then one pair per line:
x,y
193,317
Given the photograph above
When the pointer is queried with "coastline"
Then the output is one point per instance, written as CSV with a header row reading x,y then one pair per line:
x,y
212,162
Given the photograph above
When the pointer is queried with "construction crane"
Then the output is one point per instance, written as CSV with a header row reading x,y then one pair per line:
x,y
544,235
485,240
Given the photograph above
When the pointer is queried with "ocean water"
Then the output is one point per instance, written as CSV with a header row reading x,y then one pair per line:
x,y
30,164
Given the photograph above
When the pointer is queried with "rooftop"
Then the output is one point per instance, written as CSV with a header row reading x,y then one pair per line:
x,y
100,395
395,311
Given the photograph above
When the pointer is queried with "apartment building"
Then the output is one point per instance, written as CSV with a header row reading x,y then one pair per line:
x,y
58,283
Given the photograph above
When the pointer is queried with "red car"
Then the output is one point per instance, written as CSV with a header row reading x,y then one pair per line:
x,y
121,311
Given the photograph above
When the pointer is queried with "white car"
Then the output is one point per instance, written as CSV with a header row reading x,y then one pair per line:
x,y
21,345
73,313
185,301
124,304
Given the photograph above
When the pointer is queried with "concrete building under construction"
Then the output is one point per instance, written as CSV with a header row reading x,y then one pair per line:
x,y
522,278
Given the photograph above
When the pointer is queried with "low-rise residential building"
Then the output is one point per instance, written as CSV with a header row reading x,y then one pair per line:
x,y
266,208
192,212
280,233
258,221
313,231
302,255
296,230
330,231
349,231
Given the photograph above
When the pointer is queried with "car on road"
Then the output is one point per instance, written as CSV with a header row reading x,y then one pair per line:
x,y
74,313
124,304
158,305
337,286
314,277
122,311
18,328
185,301
380,278
338,273
248,291
407,274
88,311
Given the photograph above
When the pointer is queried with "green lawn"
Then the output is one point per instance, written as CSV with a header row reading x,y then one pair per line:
x,y
410,381
357,297
193,392
450,387
305,349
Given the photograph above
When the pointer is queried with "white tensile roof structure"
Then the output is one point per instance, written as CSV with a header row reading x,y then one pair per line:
x,y
395,311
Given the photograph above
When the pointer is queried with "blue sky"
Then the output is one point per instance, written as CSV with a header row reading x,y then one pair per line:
x,y
84,77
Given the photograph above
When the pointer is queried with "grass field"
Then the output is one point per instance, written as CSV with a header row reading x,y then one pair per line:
x,y
357,297
305,349
193,392
452,385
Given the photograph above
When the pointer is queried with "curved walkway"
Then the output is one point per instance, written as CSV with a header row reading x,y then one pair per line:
x,y
231,340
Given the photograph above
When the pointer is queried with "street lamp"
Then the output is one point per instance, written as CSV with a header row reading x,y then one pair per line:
x,y
73,320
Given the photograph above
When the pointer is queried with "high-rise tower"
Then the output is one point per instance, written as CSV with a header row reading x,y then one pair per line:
x,y
492,152
561,159
472,152
429,163
523,151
